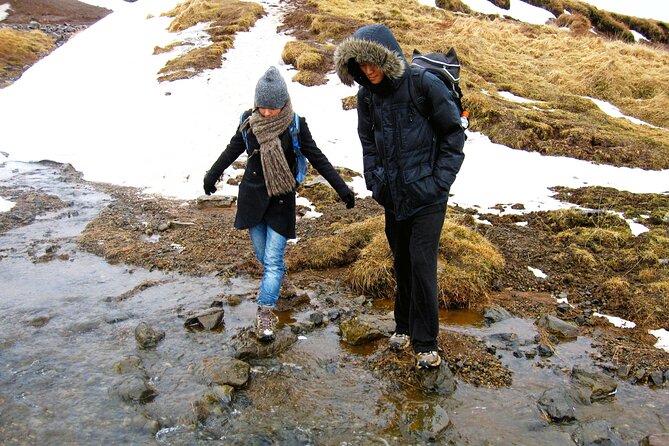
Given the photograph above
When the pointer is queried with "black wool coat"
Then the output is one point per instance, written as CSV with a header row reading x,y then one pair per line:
x,y
253,203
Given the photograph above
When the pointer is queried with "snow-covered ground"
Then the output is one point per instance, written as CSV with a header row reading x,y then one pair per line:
x,y
95,103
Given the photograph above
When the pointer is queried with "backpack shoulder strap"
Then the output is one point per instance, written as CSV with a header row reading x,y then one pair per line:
x,y
416,91
295,132
242,118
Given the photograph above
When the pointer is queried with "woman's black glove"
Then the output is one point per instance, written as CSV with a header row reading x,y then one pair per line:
x,y
209,184
349,199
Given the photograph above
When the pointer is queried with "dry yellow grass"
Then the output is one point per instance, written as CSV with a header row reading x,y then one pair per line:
x,y
18,48
468,264
227,18
339,249
372,273
537,62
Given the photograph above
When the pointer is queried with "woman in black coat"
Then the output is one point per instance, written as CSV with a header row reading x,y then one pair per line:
x,y
266,199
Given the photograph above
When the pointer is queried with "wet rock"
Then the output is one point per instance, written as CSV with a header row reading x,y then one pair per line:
x,y
302,327
563,308
317,318
558,327
210,319
544,350
247,346
134,388
333,314
624,371
592,385
215,201
285,303
232,300
655,440
117,316
129,364
656,378
39,321
639,375
666,375
220,394
557,405
439,380
148,337
363,328
495,314
596,433
424,421
222,371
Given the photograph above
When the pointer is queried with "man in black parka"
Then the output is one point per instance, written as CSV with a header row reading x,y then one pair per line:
x,y
410,162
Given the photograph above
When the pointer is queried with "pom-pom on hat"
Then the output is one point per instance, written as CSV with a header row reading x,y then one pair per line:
x,y
271,90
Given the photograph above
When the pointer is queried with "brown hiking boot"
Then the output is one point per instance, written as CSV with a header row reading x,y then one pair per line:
x,y
265,324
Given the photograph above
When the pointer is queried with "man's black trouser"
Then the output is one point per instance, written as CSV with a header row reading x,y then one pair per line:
x,y
415,246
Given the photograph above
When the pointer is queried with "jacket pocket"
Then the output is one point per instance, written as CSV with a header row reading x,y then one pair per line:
x,y
421,185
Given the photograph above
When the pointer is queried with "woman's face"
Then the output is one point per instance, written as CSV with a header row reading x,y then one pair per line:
x,y
373,72
269,112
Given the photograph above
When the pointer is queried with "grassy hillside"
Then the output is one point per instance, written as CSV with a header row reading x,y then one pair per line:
x,y
556,68
225,18
22,48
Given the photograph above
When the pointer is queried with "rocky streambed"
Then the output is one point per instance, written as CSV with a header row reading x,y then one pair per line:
x,y
94,352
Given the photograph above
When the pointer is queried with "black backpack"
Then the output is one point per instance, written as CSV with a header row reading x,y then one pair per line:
x,y
445,66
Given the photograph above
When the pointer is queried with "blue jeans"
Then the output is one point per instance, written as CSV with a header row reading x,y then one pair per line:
x,y
269,247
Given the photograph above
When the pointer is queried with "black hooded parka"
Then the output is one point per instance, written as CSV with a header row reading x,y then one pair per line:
x,y
410,161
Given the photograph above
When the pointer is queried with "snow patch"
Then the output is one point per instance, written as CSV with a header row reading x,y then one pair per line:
x,y
311,213
615,112
5,205
618,322
537,272
513,98
638,36
4,11
662,336
518,10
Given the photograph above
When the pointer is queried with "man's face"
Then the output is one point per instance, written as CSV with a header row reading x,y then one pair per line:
x,y
373,72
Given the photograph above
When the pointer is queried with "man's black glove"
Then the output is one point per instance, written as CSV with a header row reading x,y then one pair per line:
x,y
209,185
349,199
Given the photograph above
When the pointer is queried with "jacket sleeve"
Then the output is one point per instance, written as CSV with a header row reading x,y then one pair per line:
x,y
445,121
319,160
235,147
366,134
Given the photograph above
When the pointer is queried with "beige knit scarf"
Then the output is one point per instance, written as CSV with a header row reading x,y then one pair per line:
x,y
279,179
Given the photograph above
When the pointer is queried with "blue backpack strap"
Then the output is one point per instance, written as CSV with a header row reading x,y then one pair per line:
x,y
300,158
242,118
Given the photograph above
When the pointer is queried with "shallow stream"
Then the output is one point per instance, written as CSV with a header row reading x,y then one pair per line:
x,y
63,327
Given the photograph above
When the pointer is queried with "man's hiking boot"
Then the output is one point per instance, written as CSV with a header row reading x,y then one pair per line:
x,y
425,360
265,324
399,342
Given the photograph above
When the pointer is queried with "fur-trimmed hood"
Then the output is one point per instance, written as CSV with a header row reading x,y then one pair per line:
x,y
374,44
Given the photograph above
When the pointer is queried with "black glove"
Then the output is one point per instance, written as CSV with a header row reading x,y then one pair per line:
x,y
209,185
349,199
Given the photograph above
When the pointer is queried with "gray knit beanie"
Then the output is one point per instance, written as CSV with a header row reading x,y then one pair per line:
x,y
271,90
